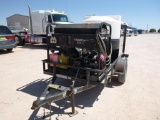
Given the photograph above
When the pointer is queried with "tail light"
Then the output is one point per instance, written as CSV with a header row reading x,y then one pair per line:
x,y
10,37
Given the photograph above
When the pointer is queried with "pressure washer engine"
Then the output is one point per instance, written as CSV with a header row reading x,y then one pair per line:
x,y
86,45
77,52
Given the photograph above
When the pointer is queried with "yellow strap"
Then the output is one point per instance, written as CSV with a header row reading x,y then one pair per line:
x,y
54,86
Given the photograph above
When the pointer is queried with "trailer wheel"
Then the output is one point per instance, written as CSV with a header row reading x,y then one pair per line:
x,y
121,69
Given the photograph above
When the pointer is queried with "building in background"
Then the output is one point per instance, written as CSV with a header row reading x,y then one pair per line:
x,y
18,21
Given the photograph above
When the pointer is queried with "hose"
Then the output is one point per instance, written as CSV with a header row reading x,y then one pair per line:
x,y
102,46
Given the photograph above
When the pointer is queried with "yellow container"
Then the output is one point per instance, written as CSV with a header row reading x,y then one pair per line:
x,y
63,59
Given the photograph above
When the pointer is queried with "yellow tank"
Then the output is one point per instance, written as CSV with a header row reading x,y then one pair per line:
x,y
63,59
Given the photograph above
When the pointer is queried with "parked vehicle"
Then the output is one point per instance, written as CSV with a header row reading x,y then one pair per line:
x,y
39,21
135,31
129,32
20,33
7,39
140,31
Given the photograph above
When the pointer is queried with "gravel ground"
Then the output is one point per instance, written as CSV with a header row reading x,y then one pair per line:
x,y
22,81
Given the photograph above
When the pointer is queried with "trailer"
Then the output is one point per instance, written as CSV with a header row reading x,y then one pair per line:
x,y
81,52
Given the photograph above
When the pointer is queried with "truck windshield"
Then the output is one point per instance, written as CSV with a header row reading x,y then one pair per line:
x,y
60,18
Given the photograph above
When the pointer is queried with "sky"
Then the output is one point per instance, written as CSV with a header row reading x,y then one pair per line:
x,y
138,13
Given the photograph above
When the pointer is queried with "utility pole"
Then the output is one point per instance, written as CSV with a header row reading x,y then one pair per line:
x,y
147,28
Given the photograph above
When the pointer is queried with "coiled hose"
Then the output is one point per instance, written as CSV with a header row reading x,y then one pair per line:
x,y
102,47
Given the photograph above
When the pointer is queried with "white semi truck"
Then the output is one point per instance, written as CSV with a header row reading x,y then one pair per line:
x,y
38,22
129,30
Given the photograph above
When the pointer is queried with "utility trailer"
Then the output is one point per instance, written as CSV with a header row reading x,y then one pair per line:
x,y
87,48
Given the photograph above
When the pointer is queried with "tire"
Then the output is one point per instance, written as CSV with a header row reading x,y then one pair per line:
x,y
19,40
121,68
9,50
23,42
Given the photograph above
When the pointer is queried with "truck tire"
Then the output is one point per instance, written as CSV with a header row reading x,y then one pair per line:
x,y
19,40
23,42
121,69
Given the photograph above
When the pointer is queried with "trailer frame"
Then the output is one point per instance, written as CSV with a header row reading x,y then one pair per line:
x,y
70,91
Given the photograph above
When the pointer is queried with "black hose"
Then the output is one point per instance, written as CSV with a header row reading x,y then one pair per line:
x,y
101,43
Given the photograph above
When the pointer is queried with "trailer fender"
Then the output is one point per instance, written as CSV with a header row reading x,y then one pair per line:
x,y
121,69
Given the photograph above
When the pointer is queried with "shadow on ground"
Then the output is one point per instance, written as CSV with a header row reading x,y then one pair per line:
x,y
3,52
34,46
114,82
82,100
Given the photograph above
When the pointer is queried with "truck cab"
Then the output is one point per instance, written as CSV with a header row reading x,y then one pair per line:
x,y
41,18
38,23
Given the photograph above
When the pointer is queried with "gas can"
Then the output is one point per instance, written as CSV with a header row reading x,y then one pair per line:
x,y
54,58
63,59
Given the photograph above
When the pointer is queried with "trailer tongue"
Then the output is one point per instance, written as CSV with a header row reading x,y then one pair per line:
x,y
84,51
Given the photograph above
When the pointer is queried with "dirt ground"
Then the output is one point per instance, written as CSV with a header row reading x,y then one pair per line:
x,y
22,81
